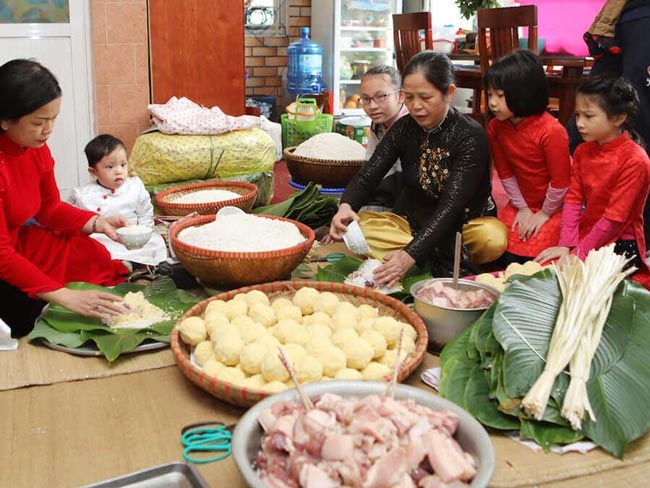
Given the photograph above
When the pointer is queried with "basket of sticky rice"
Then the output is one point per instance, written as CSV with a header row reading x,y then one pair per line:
x,y
228,344
328,159
233,248
206,197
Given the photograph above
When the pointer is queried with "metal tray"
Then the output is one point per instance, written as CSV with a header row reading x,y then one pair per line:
x,y
93,351
171,475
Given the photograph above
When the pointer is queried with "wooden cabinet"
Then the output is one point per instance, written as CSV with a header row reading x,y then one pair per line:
x,y
197,51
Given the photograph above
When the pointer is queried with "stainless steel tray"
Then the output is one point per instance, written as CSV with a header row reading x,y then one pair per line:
x,y
93,351
171,475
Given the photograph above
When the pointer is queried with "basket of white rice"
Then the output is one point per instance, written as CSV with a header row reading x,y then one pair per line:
x,y
206,197
228,343
329,160
229,250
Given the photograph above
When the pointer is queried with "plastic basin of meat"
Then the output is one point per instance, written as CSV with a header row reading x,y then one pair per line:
x,y
445,324
471,435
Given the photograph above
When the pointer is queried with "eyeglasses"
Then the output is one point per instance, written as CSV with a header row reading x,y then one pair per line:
x,y
379,98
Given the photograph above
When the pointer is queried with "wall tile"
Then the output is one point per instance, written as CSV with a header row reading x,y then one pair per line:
x,y
125,132
98,23
114,64
102,105
126,23
128,104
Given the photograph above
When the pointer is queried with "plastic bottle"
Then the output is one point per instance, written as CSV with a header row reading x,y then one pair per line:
x,y
305,66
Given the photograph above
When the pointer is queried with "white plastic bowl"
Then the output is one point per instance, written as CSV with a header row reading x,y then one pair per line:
x,y
471,435
355,240
134,236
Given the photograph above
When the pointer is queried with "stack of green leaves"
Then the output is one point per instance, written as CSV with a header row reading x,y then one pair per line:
x,y
307,206
66,328
493,364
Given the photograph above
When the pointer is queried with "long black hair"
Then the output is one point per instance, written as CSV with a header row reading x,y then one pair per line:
x,y
25,86
616,96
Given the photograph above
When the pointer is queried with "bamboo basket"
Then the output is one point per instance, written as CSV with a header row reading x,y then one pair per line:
x,y
227,269
242,396
164,199
328,173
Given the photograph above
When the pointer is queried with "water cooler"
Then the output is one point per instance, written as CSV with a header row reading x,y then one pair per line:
x,y
305,70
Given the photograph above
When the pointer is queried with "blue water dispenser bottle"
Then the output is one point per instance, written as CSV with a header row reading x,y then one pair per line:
x,y
305,66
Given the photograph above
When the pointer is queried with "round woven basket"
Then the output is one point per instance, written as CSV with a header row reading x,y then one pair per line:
x,y
165,199
330,173
237,395
228,269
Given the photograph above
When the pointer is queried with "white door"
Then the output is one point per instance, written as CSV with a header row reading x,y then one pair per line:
x,y
64,48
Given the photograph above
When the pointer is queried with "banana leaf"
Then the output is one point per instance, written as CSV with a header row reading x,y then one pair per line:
x,y
618,387
64,327
483,376
307,206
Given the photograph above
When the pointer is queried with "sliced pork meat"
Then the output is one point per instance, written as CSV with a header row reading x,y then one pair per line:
x,y
370,442
442,295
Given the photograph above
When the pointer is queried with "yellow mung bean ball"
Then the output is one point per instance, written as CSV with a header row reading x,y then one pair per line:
x,y
305,298
376,341
250,357
203,352
192,330
375,371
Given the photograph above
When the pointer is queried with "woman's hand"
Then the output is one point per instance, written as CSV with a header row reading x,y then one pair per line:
x,y
340,221
395,266
552,254
90,303
106,225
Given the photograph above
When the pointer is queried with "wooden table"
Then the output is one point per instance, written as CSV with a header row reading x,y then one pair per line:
x,y
74,433
566,74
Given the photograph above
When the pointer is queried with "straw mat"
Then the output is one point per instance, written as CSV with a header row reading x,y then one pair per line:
x,y
519,466
35,364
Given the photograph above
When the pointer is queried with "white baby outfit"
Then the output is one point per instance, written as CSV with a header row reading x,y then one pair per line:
x,y
130,200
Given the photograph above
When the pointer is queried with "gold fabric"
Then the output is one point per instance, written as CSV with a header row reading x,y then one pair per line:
x,y
385,232
486,238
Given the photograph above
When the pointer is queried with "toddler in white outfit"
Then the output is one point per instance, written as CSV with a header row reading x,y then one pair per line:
x,y
113,192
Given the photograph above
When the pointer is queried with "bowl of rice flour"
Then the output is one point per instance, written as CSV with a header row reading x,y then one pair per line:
x,y
206,197
328,159
238,249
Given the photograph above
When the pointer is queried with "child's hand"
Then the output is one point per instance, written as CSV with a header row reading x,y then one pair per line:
x,y
536,222
530,223
522,222
552,254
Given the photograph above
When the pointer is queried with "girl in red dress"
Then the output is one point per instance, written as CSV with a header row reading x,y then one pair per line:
x,y
530,150
610,179
44,242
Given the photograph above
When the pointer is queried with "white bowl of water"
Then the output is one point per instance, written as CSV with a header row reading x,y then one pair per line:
x,y
134,236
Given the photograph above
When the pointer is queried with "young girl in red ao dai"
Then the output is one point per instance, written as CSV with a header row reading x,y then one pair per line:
x,y
610,179
530,149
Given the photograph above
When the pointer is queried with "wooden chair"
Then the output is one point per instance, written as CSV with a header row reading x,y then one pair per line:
x,y
407,36
501,26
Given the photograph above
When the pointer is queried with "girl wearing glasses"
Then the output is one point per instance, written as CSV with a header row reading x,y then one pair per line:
x,y
445,184
383,101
